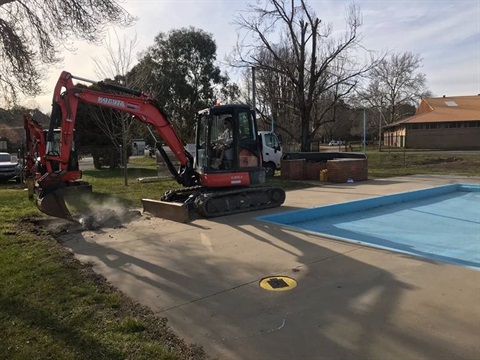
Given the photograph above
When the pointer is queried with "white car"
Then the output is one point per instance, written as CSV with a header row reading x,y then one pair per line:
x,y
335,143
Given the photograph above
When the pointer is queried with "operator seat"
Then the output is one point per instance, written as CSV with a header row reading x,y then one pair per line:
x,y
228,157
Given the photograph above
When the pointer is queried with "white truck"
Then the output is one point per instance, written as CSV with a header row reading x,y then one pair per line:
x,y
271,152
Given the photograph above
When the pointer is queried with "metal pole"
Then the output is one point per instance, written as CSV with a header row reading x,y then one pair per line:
x,y
121,156
380,131
254,94
124,152
364,131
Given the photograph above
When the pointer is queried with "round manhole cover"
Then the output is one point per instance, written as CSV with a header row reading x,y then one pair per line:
x,y
278,283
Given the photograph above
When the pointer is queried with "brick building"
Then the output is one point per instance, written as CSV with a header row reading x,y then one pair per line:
x,y
439,123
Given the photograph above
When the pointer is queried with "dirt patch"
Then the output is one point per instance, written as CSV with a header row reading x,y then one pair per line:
x,y
108,218
101,219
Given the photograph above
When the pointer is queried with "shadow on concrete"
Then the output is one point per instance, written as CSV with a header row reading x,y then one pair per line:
x,y
206,283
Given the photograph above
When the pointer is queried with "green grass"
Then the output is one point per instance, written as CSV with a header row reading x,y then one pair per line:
x,y
144,161
388,164
52,306
111,183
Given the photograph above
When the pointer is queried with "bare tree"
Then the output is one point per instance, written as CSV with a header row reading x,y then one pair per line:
x,y
321,70
395,86
115,67
119,59
394,83
33,32
10,133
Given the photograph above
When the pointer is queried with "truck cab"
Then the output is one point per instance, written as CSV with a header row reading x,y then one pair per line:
x,y
271,152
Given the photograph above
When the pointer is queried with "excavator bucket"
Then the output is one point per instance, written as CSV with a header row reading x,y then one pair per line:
x,y
168,210
53,203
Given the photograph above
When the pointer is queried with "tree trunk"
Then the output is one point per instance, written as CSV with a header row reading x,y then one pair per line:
x,y
305,144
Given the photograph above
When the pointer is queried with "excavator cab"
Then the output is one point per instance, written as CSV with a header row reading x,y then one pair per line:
x,y
228,165
53,148
228,145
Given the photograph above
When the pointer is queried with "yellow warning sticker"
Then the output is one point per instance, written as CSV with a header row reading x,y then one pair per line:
x,y
278,283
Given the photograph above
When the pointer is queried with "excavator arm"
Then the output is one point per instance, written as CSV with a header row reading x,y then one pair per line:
x,y
36,145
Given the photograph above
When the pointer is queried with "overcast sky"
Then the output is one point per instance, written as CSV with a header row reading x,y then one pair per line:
x,y
445,33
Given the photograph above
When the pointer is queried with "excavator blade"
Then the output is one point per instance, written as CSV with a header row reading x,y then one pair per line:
x,y
168,210
53,203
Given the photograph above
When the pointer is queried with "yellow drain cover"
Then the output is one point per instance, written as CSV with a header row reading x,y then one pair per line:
x,y
278,283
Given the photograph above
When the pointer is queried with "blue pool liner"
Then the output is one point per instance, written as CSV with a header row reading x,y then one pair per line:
x,y
296,216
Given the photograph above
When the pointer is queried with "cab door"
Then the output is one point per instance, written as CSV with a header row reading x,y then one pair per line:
x,y
271,149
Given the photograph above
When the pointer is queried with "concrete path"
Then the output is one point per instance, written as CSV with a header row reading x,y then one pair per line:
x,y
351,302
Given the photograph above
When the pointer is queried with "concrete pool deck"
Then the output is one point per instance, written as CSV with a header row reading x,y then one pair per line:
x,y
351,301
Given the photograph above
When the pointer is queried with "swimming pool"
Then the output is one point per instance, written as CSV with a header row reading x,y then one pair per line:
x,y
441,223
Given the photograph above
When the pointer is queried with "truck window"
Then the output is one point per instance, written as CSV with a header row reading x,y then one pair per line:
x,y
5,158
271,140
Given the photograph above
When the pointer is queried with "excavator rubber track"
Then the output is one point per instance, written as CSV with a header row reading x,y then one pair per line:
x,y
178,205
221,203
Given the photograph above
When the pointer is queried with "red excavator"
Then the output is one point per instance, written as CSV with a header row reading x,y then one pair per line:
x,y
36,164
36,146
215,183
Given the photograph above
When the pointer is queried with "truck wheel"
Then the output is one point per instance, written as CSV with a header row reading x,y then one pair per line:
x,y
269,169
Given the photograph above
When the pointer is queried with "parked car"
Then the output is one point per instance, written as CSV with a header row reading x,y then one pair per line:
x,y
10,168
335,143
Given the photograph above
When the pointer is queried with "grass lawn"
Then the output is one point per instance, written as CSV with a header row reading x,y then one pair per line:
x,y
52,306
390,163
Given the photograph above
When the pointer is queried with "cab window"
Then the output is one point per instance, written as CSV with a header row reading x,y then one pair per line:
x,y
245,127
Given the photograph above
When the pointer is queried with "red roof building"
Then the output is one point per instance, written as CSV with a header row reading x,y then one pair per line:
x,y
439,123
